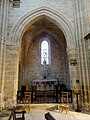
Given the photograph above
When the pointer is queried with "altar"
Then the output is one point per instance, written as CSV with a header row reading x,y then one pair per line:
x,y
45,84
45,81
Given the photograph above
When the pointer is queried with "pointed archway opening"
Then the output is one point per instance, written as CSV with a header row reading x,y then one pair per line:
x,y
43,42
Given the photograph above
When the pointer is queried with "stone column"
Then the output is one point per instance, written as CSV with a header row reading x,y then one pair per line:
x,y
3,34
72,65
73,70
11,75
80,29
2,73
87,41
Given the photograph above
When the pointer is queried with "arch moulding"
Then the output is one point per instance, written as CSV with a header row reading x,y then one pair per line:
x,y
57,18
24,23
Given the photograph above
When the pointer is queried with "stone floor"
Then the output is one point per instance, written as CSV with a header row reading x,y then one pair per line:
x,y
38,112
39,115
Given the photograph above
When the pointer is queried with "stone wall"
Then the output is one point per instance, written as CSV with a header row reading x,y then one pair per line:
x,y
26,6
88,9
30,61
11,73
77,12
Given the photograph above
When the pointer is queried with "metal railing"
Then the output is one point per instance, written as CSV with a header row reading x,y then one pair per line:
x,y
47,96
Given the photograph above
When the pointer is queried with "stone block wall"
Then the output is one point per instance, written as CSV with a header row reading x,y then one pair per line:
x,y
30,62
11,73
88,9
75,11
26,6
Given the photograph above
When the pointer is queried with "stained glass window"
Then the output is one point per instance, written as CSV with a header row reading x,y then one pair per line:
x,y
44,52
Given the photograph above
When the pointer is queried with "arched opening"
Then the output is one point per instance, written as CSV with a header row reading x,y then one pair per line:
x,y
26,36
43,56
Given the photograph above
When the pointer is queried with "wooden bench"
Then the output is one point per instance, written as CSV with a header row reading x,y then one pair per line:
x,y
49,117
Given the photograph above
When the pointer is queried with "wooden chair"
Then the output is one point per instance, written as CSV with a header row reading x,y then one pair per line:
x,y
27,97
12,114
19,115
64,102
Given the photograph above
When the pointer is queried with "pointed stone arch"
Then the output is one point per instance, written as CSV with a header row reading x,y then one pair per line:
x,y
57,18
23,25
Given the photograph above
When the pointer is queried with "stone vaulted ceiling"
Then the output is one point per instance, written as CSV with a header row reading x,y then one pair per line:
x,y
44,28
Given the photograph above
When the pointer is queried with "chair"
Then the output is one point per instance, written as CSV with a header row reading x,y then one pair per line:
x,y
64,104
19,115
27,97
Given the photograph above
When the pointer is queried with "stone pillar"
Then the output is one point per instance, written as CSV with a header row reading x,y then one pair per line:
x,y
2,73
3,34
80,27
87,41
73,70
11,75
72,65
